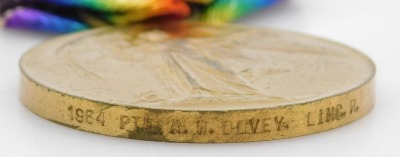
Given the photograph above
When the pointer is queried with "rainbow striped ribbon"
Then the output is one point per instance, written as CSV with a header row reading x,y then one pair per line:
x,y
64,16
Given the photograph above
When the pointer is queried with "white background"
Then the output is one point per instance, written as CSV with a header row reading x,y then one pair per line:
x,y
371,26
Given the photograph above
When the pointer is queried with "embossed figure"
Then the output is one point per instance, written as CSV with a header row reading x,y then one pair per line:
x,y
172,53
189,64
186,70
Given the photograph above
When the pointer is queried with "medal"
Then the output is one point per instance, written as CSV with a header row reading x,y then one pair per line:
x,y
197,83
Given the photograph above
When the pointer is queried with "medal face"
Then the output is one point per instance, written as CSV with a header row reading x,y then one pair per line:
x,y
193,82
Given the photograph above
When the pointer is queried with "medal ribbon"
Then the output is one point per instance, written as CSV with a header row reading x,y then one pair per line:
x,y
65,16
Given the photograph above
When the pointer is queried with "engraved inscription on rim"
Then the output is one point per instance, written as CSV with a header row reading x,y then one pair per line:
x,y
187,65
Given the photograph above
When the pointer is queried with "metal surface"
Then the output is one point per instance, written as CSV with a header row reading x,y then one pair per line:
x,y
191,82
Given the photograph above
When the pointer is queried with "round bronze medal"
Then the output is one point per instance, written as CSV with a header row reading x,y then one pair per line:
x,y
193,82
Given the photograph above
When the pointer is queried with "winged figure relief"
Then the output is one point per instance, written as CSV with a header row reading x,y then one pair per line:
x,y
178,64
188,71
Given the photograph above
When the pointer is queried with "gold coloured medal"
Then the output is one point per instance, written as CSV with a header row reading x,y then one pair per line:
x,y
197,83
